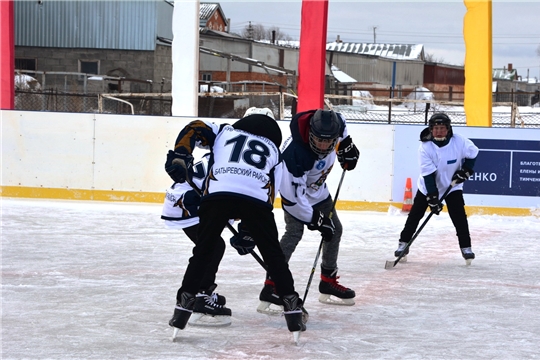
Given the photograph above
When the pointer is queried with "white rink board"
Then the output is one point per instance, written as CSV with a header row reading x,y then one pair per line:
x,y
130,152
127,153
47,149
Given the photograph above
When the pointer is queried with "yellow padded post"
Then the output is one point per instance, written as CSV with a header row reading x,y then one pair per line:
x,y
477,32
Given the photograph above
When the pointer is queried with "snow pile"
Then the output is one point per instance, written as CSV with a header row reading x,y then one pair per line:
x,y
366,101
213,89
419,93
26,82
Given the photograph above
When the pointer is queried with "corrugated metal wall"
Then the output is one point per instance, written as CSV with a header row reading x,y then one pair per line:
x,y
439,77
125,25
378,70
362,68
270,55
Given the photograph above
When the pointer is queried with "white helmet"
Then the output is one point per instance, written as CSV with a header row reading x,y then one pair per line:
x,y
261,111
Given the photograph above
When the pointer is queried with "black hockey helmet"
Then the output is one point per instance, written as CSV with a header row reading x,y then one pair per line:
x,y
441,119
324,126
261,125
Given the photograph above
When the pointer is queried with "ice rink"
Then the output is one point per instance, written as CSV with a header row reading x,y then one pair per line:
x,y
92,280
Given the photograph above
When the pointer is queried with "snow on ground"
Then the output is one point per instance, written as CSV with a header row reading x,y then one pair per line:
x,y
92,280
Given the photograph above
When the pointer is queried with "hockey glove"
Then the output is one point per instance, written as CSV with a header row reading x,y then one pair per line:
x,y
323,224
347,154
434,203
179,166
243,242
462,175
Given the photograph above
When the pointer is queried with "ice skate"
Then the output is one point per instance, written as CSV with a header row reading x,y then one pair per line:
x,y
468,255
270,304
182,313
332,292
292,306
220,299
401,247
207,310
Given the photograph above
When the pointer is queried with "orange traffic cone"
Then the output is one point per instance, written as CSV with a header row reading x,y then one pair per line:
x,y
407,199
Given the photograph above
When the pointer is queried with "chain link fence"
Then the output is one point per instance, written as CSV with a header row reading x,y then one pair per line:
x,y
501,117
233,105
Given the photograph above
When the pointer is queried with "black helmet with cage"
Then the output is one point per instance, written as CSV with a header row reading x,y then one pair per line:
x,y
440,119
324,127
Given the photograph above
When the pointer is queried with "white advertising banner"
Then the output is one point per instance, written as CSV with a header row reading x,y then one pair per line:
x,y
507,169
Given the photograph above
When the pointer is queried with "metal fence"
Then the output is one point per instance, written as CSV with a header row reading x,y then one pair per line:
x,y
80,83
367,109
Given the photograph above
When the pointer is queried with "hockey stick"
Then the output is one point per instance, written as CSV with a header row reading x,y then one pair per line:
x,y
390,264
322,240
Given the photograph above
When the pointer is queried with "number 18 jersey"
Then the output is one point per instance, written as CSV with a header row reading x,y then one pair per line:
x,y
244,165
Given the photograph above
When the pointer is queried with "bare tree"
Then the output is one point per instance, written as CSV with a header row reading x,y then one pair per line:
x,y
538,50
254,32
259,32
279,34
431,58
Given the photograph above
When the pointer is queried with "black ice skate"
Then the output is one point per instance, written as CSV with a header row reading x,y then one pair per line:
x,y
182,312
468,255
220,299
209,312
271,304
292,306
332,292
401,247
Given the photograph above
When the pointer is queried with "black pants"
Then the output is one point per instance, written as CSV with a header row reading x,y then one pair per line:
x,y
456,209
209,277
214,213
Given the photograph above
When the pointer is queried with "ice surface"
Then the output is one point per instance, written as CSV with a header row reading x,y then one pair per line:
x,y
91,280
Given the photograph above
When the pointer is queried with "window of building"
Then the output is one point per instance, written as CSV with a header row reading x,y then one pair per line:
x,y
89,66
26,64
207,77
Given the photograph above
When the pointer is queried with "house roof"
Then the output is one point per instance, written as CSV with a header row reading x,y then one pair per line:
x,y
294,44
206,10
390,51
342,77
504,74
218,33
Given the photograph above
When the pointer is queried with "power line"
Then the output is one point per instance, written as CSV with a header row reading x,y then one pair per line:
x,y
390,36
416,37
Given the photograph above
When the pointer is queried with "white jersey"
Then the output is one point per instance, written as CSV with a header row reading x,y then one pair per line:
x,y
445,160
303,183
244,165
182,201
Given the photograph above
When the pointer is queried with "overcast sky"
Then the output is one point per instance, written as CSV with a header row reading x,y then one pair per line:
x,y
437,25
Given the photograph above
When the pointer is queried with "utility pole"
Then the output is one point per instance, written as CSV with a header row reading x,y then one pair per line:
x,y
374,35
250,31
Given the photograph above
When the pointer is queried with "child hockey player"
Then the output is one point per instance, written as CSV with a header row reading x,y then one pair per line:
x,y
444,157
309,155
180,212
243,177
